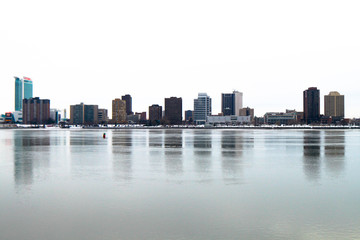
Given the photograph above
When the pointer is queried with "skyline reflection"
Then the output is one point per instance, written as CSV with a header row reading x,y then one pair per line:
x,y
335,152
30,152
311,154
122,161
232,143
173,142
202,147
130,177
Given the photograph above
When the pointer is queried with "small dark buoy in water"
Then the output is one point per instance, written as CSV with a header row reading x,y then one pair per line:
x,y
104,135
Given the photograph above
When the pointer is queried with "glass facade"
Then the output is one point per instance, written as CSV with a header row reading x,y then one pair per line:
x,y
18,94
23,90
231,103
202,108
228,104
28,89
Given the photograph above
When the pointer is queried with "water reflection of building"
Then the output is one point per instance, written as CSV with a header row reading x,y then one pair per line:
x,y
173,142
155,138
155,150
122,143
202,150
80,138
202,142
231,149
231,143
29,152
312,151
334,152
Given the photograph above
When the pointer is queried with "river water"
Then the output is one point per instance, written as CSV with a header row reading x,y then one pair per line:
x,y
179,184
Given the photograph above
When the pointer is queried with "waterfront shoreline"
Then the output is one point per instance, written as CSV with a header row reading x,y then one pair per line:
x,y
188,127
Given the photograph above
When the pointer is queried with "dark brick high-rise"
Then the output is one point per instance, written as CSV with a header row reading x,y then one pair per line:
x,y
128,100
173,110
312,105
155,113
36,111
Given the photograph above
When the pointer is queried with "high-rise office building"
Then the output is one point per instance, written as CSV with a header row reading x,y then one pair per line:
x,y
202,108
227,104
36,111
91,114
231,103
84,114
173,110
311,99
155,114
77,114
238,102
334,105
23,90
128,100
118,111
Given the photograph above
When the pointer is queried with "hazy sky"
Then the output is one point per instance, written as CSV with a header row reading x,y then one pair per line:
x,y
95,51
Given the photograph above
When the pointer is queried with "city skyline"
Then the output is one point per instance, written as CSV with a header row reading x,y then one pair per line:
x,y
231,104
267,50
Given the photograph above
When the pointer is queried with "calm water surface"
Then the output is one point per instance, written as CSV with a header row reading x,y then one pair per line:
x,y
179,184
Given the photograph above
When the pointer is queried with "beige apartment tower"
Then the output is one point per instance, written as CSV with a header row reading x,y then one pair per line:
x,y
118,111
334,105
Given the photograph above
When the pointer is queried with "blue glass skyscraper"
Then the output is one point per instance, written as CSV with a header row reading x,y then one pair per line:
x,y
28,88
18,94
23,90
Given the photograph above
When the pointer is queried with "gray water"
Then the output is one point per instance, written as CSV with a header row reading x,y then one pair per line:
x,y
179,184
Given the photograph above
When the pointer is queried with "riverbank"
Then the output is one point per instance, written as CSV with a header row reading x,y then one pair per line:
x,y
271,127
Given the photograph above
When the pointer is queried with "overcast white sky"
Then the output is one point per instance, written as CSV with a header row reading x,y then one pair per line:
x,y
95,51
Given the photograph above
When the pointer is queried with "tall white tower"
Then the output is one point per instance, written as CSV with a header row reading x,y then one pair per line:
x,y
238,102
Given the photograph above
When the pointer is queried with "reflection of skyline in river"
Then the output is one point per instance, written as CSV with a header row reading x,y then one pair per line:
x,y
275,198
335,152
122,143
232,143
178,152
312,152
29,152
202,145
333,145
173,143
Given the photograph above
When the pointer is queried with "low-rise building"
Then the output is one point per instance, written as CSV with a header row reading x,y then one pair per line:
x,y
55,115
247,112
18,116
228,120
189,116
135,118
142,116
279,118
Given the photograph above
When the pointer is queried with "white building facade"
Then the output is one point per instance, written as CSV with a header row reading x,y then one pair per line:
x,y
238,102
228,120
